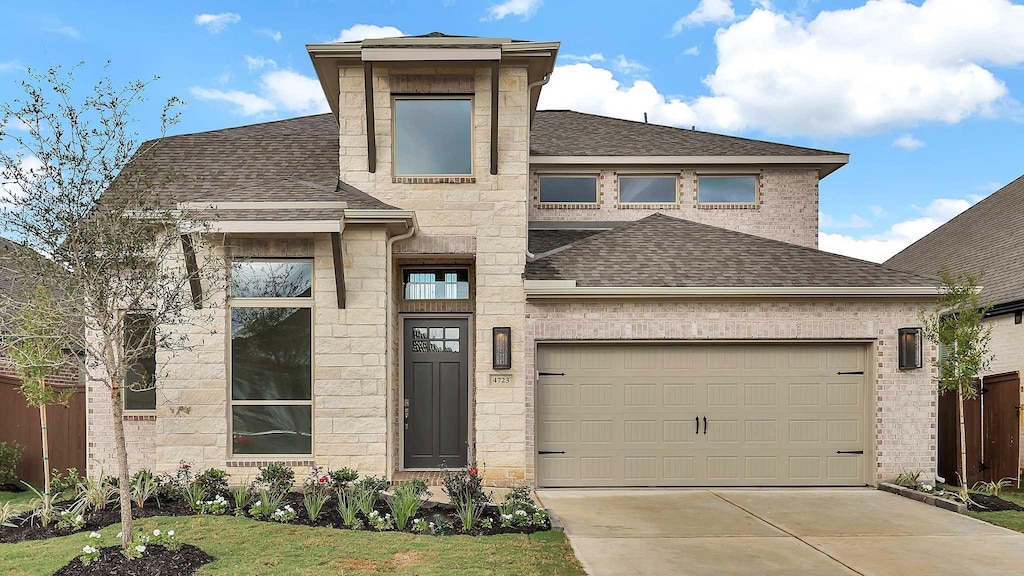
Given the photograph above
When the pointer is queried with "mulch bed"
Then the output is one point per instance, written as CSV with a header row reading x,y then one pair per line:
x,y
95,520
986,503
156,561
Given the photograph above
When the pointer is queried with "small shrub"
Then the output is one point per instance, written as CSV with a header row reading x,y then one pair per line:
x,y
218,506
193,494
419,525
909,479
90,553
266,504
486,523
283,515
366,498
378,522
348,507
167,489
10,455
518,509
214,482
60,484
441,526
71,521
93,494
42,508
143,487
277,477
375,483
993,488
342,478
316,492
8,514
464,490
405,501
241,495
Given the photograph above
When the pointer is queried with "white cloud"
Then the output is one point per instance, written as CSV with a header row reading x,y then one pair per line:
x,y
10,65
525,9
58,27
707,11
881,247
259,62
216,23
854,221
270,33
629,67
279,91
363,31
30,168
692,51
594,57
908,142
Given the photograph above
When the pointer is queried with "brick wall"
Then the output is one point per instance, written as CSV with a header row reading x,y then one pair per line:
x,y
904,401
787,207
1007,347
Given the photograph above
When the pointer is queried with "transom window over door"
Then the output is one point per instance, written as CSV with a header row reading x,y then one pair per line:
x,y
727,189
433,136
568,189
271,353
435,284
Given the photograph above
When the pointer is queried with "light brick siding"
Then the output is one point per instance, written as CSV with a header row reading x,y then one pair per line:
x,y
904,401
1007,347
787,208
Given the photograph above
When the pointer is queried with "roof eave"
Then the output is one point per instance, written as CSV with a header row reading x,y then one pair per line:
x,y
568,289
825,164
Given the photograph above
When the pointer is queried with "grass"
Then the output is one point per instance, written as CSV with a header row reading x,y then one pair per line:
x,y
1007,519
19,499
244,546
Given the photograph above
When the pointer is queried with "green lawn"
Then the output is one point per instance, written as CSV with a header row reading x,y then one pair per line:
x,y
244,546
1011,520
20,499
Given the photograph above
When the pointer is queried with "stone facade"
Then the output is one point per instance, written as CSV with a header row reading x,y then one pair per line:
x,y
1007,347
786,210
905,402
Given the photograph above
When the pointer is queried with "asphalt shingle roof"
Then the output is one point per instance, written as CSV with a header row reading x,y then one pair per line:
x,y
986,239
287,160
568,133
541,241
661,251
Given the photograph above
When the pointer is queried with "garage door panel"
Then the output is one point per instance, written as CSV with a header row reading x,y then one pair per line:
x,y
776,415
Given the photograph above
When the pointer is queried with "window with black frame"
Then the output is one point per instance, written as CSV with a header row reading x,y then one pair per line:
x,y
271,309
140,376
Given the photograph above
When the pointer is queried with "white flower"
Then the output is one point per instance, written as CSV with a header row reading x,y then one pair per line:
x,y
140,548
170,533
94,535
156,532
88,549
119,534
506,516
374,514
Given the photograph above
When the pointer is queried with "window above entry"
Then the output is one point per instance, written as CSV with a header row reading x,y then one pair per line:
x,y
568,189
433,136
727,190
434,284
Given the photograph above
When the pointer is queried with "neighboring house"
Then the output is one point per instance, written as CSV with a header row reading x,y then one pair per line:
x,y
987,240
438,273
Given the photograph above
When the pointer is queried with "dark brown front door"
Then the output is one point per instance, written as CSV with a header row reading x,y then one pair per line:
x,y
436,392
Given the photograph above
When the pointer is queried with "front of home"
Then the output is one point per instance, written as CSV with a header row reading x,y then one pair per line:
x,y
437,273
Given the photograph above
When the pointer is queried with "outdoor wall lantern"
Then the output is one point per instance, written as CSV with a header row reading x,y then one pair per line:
x,y
910,348
501,356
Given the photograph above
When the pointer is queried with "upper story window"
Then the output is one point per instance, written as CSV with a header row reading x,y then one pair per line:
x,y
568,189
271,279
727,190
647,189
433,136
421,284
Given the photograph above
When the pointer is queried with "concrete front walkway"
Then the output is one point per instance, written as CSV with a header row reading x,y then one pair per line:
x,y
777,532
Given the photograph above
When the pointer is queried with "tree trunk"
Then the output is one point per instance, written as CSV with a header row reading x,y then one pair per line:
x,y
963,443
46,458
122,466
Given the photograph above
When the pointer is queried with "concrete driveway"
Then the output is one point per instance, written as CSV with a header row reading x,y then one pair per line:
x,y
777,532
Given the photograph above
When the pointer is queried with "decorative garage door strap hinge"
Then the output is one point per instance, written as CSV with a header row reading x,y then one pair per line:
x,y
551,373
845,373
849,451
551,452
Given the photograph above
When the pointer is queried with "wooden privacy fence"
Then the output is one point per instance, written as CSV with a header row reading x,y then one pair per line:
x,y
20,422
992,422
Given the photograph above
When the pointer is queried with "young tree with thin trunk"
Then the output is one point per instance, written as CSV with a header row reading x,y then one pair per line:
x,y
956,326
80,190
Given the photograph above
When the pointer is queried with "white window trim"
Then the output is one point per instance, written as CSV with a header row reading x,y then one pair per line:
x,y
298,302
589,174
426,267
472,132
618,187
757,189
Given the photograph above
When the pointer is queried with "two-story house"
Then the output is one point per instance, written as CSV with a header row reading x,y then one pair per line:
x,y
564,299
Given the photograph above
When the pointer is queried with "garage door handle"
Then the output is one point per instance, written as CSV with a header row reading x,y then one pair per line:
x,y
849,451
705,425
551,452
696,420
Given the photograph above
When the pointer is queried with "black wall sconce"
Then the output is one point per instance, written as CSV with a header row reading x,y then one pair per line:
x,y
501,353
911,347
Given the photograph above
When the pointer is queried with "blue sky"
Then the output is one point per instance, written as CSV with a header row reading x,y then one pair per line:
x,y
923,94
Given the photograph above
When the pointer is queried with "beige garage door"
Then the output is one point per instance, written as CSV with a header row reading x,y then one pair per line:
x,y
702,415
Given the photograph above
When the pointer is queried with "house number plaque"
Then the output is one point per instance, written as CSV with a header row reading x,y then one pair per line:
x,y
501,380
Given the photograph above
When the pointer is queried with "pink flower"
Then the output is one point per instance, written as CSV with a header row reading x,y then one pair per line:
x,y
323,479
473,471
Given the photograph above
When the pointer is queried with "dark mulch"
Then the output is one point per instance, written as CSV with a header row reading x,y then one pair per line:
x,y
11,488
95,520
986,503
156,561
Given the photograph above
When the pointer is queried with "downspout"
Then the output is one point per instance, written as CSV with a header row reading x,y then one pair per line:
x,y
529,88
388,332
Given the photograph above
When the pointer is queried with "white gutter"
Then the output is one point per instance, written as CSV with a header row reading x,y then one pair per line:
x,y
705,160
272,226
389,331
558,289
262,205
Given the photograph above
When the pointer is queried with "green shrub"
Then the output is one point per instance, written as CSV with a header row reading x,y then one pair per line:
x,y
405,502
374,483
342,478
61,483
214,482
10,455
277,477
143,487
464,489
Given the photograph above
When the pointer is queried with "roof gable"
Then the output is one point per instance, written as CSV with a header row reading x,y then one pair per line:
x,y
661,251
986,239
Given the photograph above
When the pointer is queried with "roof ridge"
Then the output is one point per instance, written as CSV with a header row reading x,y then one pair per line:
x,y
670,127
230,128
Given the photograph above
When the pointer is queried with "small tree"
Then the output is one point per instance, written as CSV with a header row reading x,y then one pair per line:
x,y
956,327
80,190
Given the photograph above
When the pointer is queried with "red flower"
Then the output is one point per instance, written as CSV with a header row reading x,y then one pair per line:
x,y
472,471
323,479
185,466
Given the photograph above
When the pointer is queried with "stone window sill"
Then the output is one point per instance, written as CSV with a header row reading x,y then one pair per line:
x,y
648,206
567,205
264,463
139,417
743,206
433,180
